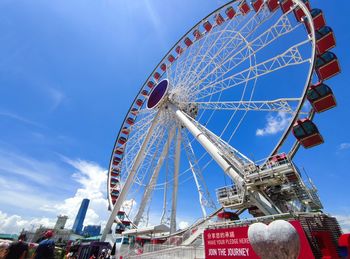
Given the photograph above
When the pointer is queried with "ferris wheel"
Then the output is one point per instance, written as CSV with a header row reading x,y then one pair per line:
x,y
243,83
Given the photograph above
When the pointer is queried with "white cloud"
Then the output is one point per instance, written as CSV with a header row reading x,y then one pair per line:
x,y
17,193
183,224
92,179
274,124
15,223
343,146
344,222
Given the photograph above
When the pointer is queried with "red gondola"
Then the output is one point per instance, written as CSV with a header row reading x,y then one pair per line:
x,y
327,65
307,133
144,93
116,160
197,34
244,7
156,75
115,194
126,130
207,26
219,19
122,140
150,84
119,150
114,180
318,18
321,97
299,13
230,12
134,111
115,173
179,50
286,5
139,102
126,223
272,5
114,183
257,4
227,215
121,215
325,39
171,58
163,67
188,42
130,121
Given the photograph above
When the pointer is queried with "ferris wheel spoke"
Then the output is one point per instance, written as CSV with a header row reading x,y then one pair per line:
x,y
145,120
186,72
151,150
279,105
205,199
282,27
152,154
186,64
149,188
289,58
234,42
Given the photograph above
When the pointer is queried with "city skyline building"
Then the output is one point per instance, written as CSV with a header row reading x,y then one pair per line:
x,y
79,219
61,222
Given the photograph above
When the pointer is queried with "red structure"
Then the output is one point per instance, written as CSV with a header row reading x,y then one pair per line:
x,y
257,4
244,7
286,5
321,97
325,39
272,5
327,65
230,12
307,133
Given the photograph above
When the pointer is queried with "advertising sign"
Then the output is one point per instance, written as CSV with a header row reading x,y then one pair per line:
x,y
233,242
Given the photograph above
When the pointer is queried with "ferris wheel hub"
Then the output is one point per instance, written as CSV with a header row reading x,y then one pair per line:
x,y
158,94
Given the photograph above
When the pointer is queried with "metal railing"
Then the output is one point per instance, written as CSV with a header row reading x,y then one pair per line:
x,y
177,252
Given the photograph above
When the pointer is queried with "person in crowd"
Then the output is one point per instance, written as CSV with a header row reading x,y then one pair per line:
x,y
46,247
18,249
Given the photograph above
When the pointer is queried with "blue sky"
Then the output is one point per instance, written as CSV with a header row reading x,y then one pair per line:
x,y
69,71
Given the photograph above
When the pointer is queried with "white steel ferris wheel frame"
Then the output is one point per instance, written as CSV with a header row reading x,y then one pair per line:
x,y
235,173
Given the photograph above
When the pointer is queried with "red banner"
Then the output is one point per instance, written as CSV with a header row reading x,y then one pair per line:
x,y
233,242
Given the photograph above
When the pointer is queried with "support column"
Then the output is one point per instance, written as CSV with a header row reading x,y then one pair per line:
x,y
176,182
128,182
153,181
261,202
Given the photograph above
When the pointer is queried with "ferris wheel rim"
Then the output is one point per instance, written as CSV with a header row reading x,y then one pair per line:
x,y
310,73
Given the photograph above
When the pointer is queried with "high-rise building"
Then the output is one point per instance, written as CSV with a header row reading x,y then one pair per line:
x,y
61,222
92,230
79,219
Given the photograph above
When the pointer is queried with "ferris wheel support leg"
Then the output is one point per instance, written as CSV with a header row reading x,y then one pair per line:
x,y
176,181
208,146
257,198
128,182
154,178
